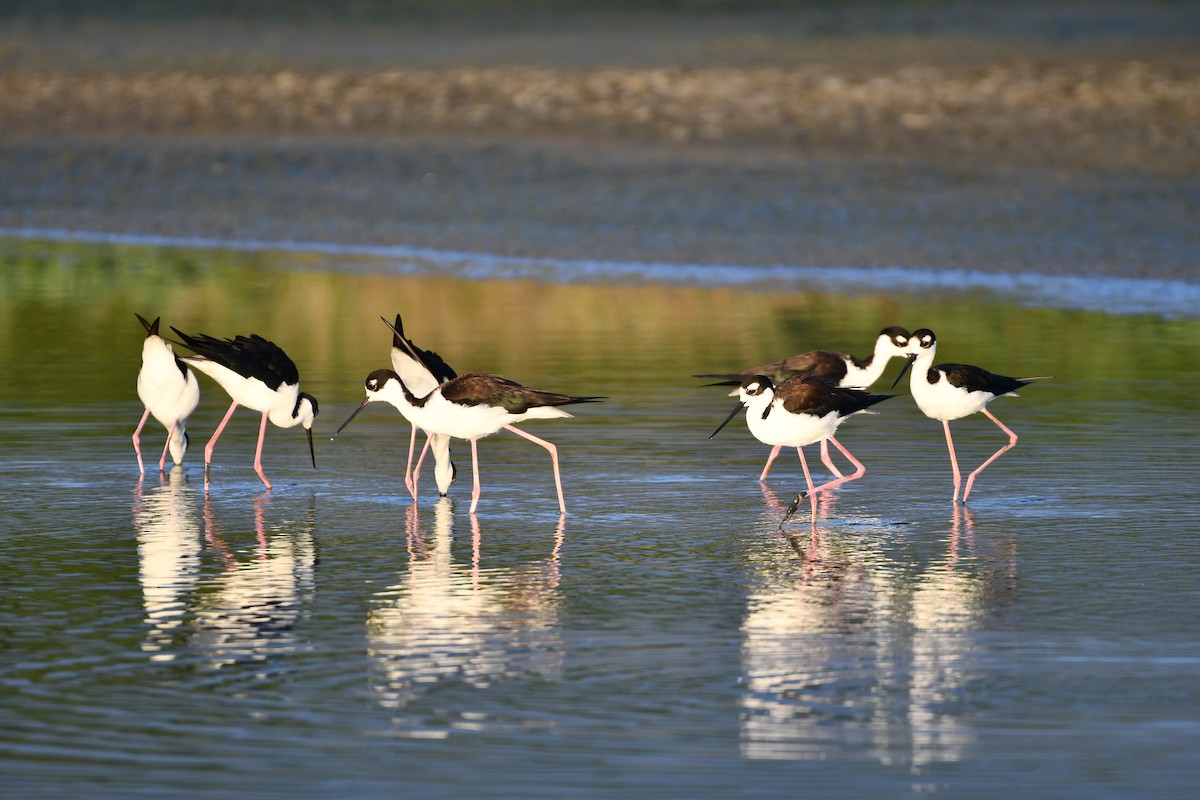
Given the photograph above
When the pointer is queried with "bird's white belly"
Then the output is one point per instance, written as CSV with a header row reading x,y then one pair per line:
x,y
471,422
791,430
164,390
949,402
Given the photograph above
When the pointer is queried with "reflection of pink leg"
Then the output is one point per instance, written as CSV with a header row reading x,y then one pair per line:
x,y
859,470
476,541
137,444
953,459
262,434
553,451
162,462
1012,441
260,527
770,460
475,472
827,461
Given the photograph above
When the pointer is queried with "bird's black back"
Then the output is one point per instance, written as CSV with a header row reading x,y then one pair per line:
x,y
250,356
976,379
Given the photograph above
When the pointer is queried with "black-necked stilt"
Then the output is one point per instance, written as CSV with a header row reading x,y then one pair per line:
x,y
952,391
798,412
423,371
257,374
840,369
470,407
169,391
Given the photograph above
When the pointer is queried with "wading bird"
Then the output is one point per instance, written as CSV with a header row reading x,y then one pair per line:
x,y
952,391
801,411
840,369
257,374
168,390
470,407
422,371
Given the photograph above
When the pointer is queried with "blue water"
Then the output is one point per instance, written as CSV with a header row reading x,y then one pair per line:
x,y
668,637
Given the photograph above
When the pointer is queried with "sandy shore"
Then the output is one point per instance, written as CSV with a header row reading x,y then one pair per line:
x,y
1012,156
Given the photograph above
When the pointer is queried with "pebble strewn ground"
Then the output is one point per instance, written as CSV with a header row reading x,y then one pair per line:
x,y
1125,114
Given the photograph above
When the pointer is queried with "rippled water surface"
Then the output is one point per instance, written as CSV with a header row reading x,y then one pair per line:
x,y
332,638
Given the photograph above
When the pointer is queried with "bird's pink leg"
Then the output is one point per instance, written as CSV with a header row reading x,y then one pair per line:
x,y
410,482
859,469
475,473
770,460
953,459
162,462
137,444
262,434
1012,441
827,461
208,448
553,451
812,494
812,498
420,460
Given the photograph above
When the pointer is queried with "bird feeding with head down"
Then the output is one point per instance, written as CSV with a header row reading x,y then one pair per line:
x,y
168,390
422,371
256,374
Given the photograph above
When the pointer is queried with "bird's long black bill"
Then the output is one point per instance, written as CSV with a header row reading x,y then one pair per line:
x,y
732,414
350,418
311,451
907,364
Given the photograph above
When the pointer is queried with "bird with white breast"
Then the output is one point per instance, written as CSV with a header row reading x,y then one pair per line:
x,y
168,390
839,369
949,391
256,374
470,407
801,411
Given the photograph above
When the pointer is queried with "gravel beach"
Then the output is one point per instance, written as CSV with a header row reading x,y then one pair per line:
x,y
1060,138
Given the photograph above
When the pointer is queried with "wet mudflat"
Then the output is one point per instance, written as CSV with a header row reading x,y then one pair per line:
x,y
667,635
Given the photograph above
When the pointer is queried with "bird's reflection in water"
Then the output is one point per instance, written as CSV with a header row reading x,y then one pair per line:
x,y
250,611
953,602
847,650
449,624
168,536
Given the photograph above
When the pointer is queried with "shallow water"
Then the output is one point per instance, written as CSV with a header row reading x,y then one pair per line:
x,y
667,636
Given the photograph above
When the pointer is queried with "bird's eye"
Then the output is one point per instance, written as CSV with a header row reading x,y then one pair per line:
x,y
372,385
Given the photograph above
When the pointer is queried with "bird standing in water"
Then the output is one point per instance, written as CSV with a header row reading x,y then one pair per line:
x,y
952,391
168,390
470,407
257,374
801,411
423,371
840,369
